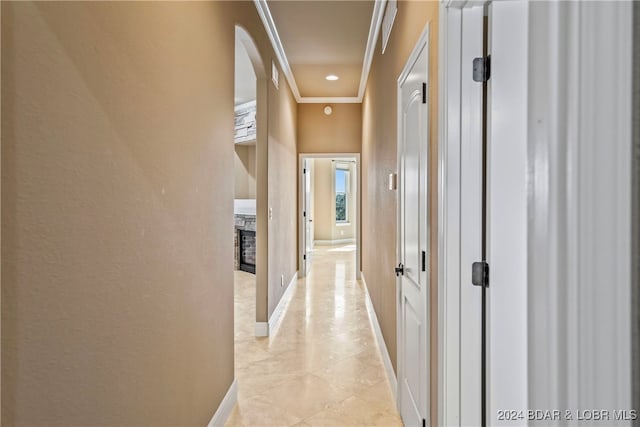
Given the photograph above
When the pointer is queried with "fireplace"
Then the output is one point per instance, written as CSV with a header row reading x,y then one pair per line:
x,y
247,250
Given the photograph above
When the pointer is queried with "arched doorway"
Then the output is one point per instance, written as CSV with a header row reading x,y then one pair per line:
x,y
250,186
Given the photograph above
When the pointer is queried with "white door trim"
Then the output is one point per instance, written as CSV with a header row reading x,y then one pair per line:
x,y
301,224
422,43
569,47
459,176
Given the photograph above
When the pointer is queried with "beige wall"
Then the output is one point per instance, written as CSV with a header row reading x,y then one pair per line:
x,y
282,190
341,132
325,227
379,155
245,172
117,253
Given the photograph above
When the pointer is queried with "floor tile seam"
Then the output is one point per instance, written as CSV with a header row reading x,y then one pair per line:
x,y
324,409
355,395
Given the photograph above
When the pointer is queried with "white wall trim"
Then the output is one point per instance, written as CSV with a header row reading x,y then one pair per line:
x,y
278,313
265,329
374,29
330,100
262,329
226,406
382,346
450,49
333,242
272,32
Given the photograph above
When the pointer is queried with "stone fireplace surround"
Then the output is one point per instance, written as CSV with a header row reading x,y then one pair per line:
x,y
242,222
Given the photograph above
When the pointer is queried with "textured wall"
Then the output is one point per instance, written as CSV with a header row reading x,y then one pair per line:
x,y
341,132
283,192
117,210
323,227
245,172
379,157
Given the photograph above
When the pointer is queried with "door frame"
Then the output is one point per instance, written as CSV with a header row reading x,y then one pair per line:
x,y
567,257
459,236
301,230
459,130
421,43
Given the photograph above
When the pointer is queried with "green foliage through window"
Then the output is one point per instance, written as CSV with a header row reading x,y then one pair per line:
x,y
341,207
342,182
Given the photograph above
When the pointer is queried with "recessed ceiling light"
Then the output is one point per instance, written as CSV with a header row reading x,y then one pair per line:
x,y
332,77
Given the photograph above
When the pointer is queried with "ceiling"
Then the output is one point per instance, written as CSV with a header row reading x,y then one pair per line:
x,y
321,38
315,38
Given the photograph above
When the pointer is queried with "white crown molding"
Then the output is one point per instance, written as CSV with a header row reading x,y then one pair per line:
x,y
330,100
374,30
272,32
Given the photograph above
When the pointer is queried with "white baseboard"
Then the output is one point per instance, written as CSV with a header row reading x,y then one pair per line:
x,y
265,329
262,329
226,406
382,346
333,242
281,308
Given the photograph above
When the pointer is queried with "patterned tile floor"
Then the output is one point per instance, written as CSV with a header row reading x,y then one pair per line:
x,y
322,367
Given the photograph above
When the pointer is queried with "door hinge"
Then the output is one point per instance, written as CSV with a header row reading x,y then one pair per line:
x,y
304,214
424,93
399,270
480,274
304,170
482,69
424,423
424,261
304,257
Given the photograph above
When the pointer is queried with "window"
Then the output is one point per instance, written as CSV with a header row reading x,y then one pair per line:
x,y
342,186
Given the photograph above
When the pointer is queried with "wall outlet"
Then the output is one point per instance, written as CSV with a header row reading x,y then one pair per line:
x,y
281,280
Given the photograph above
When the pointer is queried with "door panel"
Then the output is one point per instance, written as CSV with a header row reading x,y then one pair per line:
x,y
412,182
413,369
307,217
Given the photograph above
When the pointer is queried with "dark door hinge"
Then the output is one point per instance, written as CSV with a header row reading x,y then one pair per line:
x,y
482,69
304,214
424,261
424,93
304,257
480,274
304,170
399,270
424,423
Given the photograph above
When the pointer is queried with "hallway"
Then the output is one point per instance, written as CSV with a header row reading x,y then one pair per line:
x,y
322,366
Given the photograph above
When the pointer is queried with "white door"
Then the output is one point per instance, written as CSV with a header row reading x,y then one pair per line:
x,y
413,348
306,215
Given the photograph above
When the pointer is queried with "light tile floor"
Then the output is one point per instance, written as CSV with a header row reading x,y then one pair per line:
x,y
322,367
